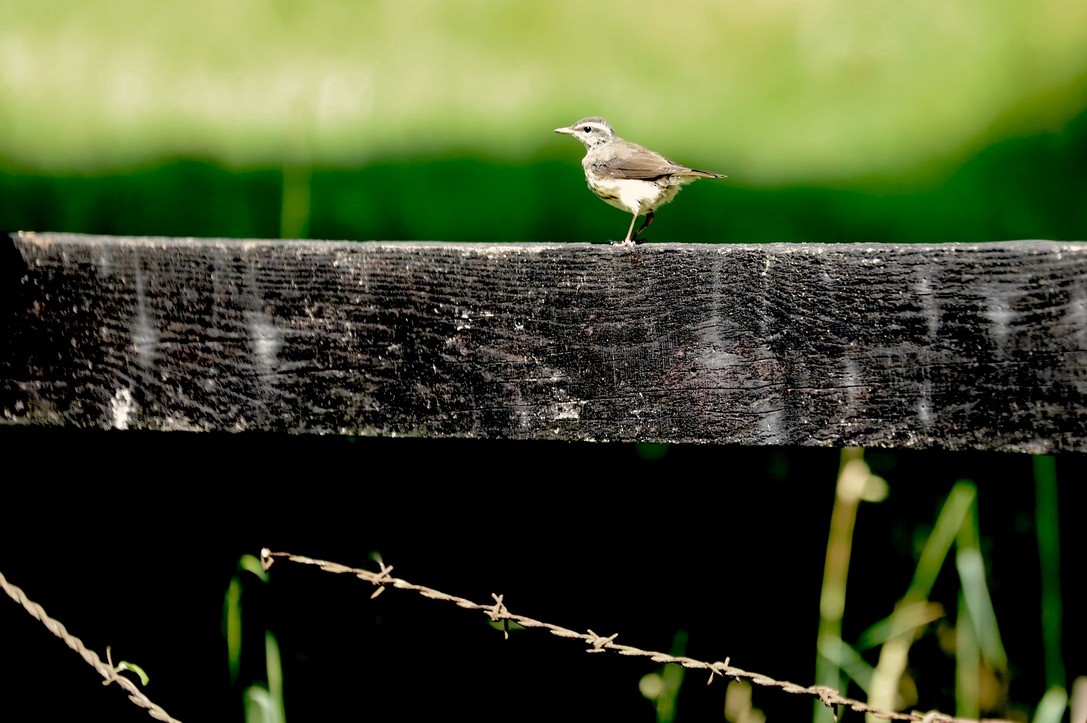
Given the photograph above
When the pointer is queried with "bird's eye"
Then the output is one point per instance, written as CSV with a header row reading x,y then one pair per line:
x,y
587,129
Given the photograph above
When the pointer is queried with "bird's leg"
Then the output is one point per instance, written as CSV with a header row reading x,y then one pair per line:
x,y
644,226
629,240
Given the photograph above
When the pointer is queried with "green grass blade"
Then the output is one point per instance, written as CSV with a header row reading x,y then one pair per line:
x,y
1048,531
1052,706
975,594
967,664
232,623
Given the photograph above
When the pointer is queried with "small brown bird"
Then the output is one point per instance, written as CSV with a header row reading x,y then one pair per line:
x,y
629,176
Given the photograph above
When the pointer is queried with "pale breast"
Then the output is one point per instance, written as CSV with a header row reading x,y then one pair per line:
x,y
632,195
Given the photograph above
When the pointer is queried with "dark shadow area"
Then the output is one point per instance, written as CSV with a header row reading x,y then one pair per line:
x,y
130,540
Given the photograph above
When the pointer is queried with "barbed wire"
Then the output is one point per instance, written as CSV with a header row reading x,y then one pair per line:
x,y
106,670
498,612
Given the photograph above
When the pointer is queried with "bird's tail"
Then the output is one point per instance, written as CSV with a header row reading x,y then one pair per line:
x,y
701,174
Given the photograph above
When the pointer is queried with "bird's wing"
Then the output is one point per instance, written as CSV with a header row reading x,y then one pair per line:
x,y
635,163
632,161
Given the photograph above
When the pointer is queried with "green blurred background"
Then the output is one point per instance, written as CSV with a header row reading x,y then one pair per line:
x,y
836,120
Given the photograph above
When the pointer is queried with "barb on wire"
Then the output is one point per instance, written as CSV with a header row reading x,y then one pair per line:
x,y
107,671
599,644
498,612
382,578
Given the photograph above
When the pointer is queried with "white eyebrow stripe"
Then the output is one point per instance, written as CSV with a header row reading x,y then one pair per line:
x,y
597,126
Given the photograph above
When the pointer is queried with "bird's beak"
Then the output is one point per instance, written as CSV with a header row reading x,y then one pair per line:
x,y
567,131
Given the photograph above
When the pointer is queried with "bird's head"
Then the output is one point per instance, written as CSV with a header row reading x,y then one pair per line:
x,y
590,131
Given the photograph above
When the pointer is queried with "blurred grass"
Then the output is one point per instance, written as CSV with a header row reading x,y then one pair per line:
x,y
1022,188
262,689
662,687
1047,524
856,483
928,121
981,664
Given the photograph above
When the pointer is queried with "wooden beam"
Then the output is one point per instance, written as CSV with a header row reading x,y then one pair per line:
x,y
952,346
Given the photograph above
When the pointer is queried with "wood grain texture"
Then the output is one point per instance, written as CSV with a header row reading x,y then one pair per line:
x,y
925,346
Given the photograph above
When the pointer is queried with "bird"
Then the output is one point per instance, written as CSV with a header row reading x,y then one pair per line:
x,y
628,176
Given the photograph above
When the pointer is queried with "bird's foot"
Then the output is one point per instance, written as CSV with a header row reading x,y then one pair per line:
x,y
628,243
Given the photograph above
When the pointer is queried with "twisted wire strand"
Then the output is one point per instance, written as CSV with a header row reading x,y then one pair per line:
x,y
107,671
599,643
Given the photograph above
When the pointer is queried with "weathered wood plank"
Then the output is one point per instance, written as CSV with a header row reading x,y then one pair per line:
x,y
929,346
